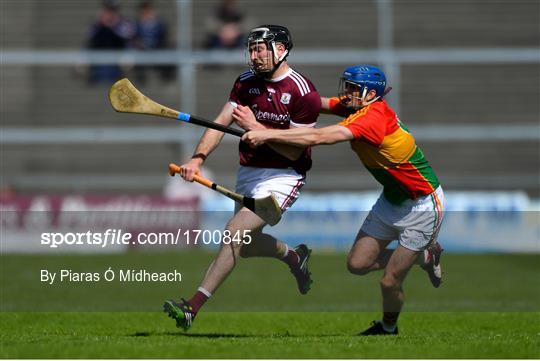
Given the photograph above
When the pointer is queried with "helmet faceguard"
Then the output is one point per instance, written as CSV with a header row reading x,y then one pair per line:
x,y
270,35
357,81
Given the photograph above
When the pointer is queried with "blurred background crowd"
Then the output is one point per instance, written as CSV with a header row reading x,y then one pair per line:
x,y
223,29
465,78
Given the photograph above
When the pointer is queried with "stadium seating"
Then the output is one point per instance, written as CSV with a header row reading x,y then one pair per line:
x,y
431,94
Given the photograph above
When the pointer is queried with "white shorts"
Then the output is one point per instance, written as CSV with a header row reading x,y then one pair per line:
x,y
414,223
283,184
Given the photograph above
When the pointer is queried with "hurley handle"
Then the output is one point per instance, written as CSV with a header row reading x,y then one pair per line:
x,y
186,117
173,169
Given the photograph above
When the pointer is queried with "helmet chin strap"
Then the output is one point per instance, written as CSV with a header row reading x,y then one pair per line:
x,y
363,97
282,57
278,60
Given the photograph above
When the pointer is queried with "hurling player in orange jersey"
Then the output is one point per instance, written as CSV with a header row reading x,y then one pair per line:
x,y
411,206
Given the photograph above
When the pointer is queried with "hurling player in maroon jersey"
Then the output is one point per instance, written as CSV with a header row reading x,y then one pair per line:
x,y
280,98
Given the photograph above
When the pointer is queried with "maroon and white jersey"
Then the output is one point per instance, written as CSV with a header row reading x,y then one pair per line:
x,y
286,102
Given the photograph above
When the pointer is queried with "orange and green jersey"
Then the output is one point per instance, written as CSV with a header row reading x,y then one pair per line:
x,y
388,151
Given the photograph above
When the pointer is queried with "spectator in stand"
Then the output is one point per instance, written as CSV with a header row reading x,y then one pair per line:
x,y
151,34
111,31
226,28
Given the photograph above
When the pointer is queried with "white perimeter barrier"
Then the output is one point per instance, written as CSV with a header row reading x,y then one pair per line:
x,y
474,221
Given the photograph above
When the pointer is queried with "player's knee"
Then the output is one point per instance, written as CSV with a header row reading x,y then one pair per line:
x,y
389,282
234,247
252,246
358,266
239,245
246,251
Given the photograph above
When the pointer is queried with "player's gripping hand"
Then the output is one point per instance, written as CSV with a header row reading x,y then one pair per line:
x,y
255,138
191,168
244,117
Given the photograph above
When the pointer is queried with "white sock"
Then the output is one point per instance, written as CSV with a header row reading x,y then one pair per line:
x,y
206,293
286,251
427,257
388,328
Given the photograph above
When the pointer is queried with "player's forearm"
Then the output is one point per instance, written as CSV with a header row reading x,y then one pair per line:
x,y
298,137
211,138
208,143
304,137
325,106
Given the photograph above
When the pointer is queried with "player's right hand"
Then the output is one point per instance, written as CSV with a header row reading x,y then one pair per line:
x,y
191,168
255,138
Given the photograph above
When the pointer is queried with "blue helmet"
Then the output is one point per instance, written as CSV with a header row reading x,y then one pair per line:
x,y
366,77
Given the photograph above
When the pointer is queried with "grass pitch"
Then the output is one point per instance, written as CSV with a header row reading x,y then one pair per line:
x,y
488,307
267,335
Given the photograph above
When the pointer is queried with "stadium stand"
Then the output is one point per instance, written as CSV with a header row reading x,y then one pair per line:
x,y
431,93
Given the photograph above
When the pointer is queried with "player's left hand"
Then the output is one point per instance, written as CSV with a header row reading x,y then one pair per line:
x,y
244,117
255,138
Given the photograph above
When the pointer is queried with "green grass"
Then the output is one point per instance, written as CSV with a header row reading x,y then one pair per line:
x,y
488,307
267,335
